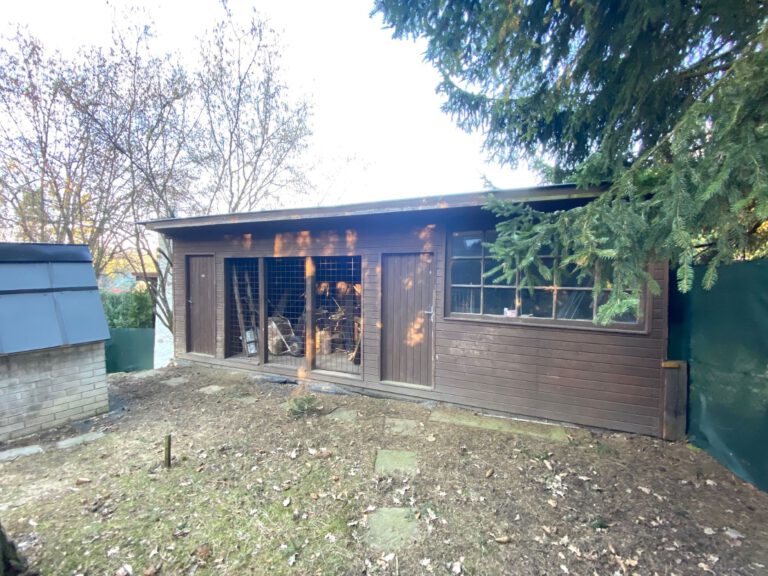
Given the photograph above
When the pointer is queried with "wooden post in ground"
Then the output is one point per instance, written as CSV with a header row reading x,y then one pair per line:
x,y
167,460
674,422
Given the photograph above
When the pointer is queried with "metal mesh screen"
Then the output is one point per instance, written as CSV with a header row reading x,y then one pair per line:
x,y
285,306
242,330
338,328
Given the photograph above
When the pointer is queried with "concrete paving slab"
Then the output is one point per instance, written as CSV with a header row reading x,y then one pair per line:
x,y
533,429
141,374
14,453
401,427
391,529
176,381
396,461
210,390
77,440
343,414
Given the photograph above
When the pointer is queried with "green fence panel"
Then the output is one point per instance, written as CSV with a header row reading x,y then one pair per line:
x,y
130,349
723,334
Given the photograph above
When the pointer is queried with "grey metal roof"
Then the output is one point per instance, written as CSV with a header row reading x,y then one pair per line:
x,y
48,297
466,200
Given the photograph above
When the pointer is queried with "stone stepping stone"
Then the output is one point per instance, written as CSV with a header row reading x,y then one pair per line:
x,y
210,390
14,453
401,426
343,415
391,529
396,461
532,429
77,440
141,374
176,381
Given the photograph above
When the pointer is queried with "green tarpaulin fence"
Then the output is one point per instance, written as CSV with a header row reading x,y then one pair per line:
x,y
130,349
723,334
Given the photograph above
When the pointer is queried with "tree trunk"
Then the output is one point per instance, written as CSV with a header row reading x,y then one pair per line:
x,y
11,562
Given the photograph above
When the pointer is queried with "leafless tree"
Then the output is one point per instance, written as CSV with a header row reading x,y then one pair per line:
x,y
57,184
252,134
92,146
139,105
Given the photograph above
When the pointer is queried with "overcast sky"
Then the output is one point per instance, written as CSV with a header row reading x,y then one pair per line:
x,y
378,129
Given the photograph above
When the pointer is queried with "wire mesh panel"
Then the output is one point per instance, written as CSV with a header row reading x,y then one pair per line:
x,y
242,326
338,328
285,306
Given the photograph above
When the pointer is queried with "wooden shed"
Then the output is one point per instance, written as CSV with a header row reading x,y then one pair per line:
x,y
390,297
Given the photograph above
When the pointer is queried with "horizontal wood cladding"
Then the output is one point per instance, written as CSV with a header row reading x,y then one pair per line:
x,y
608,379
588,376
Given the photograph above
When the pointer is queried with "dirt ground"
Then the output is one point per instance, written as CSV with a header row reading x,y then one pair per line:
x,y
253,490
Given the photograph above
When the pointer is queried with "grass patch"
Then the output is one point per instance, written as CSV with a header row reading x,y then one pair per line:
x,y
302,405
606,450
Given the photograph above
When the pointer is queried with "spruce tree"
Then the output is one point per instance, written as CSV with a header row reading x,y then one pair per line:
x,y
664,104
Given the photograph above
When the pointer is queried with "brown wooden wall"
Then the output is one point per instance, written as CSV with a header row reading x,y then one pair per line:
x,y
584,376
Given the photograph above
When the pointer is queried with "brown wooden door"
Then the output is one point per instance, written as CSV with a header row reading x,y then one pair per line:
x,y
201,305
407,310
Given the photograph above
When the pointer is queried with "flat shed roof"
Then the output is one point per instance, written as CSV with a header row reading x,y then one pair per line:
x,y
465,200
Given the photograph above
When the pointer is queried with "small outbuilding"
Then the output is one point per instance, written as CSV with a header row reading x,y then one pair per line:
x,y
392,298
52,333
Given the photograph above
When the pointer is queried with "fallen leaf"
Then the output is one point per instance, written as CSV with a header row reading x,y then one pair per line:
x,y
733,534
502,539
292,560
430,438
124,570
203,552
81,481
489,473
644,490
552,502
287,502
150,570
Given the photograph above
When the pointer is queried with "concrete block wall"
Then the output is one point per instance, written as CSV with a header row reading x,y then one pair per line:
x,y
47,388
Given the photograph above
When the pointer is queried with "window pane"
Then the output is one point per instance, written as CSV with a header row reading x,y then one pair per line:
x,y
495,300
537,304
490,237
465,272
467,244
574,305
465,300
626,318
488,265
536,277
568,277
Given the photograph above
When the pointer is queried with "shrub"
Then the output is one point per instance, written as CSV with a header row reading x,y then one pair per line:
x,y
128,309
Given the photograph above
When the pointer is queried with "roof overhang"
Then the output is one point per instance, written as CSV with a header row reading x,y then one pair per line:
x,y
409,205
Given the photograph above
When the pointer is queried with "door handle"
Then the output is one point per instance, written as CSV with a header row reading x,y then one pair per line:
x,y
428,312
189,301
